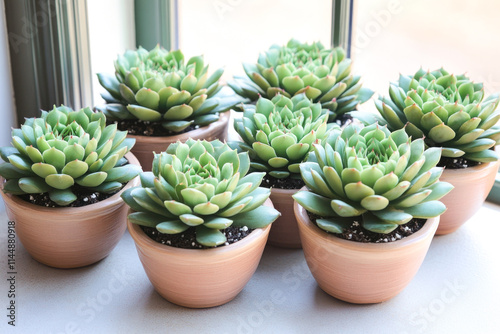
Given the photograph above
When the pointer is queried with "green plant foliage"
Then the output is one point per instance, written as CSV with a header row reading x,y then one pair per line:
x,y
324,75
386,178
448,110
63,148
159,86
279,133
200,184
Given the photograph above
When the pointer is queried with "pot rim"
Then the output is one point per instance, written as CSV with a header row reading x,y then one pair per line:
x,y
430,226
110,201
458,172
223,119
285,191
144,241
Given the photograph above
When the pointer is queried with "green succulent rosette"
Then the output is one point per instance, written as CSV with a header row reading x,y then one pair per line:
x,y
64,148
279,133
203,185
448,110
324,75
384,178
159,86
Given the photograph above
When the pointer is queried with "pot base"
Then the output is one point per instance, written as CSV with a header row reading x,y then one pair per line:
x,y
70,237
362,273
472,186
200,278
284,232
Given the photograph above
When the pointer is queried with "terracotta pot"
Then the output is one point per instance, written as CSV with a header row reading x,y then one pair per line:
x,y
362,273
284,232
146,145
472,186
70,237
200,278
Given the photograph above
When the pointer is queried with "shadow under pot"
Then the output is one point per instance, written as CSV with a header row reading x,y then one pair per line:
x,y
472,186
284,231
70,237
362,273
200,278
146,145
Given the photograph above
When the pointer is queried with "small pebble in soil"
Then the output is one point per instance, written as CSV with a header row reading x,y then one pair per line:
x,y
358,233
187,239
146,128
286,183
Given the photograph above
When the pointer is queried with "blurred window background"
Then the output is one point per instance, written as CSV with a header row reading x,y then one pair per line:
x,y
388,37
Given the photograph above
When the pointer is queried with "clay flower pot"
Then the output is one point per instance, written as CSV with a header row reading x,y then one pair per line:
x,y
70,237
472,186
362,273
200,278
146,145
284,231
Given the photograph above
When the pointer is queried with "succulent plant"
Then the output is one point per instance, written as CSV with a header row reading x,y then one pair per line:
x,y
200,184
386,178
447,110
324,75
64,148
158,86
279,133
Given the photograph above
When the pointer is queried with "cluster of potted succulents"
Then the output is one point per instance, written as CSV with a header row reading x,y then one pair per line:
x,y
200,218
160,98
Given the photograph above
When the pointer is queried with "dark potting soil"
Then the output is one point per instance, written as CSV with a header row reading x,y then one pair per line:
x,y
187,239
146,128
456,163
84,197
358,233
343,119
287,183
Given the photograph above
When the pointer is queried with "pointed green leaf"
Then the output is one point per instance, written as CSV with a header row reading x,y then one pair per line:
x,y
209,237
62,197
257,218
191,220
59,181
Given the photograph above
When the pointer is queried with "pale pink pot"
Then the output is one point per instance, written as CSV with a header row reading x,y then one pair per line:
x,y
472,186
200,278
362,273
284,232
70,237
146,145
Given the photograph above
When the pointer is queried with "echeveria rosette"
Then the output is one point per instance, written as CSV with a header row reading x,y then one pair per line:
x,y
64,148
324,75
279,133
385,178
200,184
159,86
447,110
